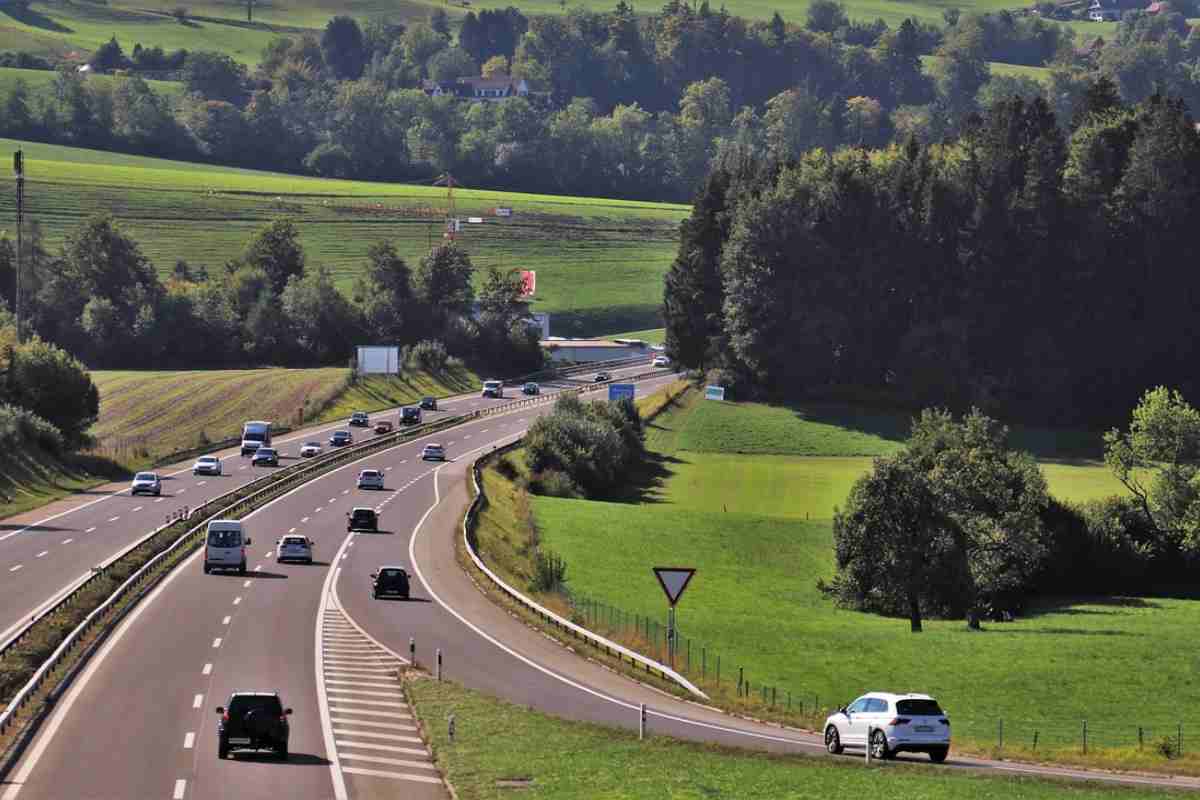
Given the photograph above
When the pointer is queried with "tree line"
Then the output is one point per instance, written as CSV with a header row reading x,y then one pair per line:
x,y
101,299
1035,274
961,525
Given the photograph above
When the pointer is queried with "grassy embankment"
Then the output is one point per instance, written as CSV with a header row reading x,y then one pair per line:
x,y
600,262
745,493
565,760
40,80
144,415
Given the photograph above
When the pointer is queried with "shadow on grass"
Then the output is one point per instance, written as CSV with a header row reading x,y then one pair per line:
x,y
1058,631
34,19
643,485
1070,606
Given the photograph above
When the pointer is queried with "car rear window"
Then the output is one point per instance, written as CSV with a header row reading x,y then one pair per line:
x,y
144,476
224,539
370,473
241,704
391,573
363,514
919,708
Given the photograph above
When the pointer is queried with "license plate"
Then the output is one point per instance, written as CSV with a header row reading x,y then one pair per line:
x,y
239,741
924,729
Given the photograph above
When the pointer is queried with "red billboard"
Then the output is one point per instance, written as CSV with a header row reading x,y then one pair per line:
x,y
528,282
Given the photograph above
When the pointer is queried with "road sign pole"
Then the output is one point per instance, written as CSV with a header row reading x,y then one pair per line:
x,y
671,637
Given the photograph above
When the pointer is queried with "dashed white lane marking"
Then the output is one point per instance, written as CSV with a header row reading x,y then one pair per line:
x,y
237,600
217,642
113,519
189,741
67,541
39,555
332,500
201,483
344,491
379,773
242,467
180,788
89,530
14,569
303,519
485,430
159,500
181,491
258,567
268,554
225,621
139,508
318,510
402,461
246,585
291,530
207,669
197,701
468,436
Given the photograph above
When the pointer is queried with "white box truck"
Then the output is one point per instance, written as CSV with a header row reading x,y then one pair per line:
x,y
255,434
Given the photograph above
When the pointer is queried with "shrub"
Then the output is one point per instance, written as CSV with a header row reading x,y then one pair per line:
x,y
549,572
594,445
21,429
180,13
553,483
1167,747
429,355
507,469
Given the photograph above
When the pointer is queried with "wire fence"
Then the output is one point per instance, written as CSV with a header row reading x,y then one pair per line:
x,y
723,675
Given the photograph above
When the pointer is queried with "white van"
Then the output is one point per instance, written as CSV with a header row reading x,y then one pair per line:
x,y
255,434
225,546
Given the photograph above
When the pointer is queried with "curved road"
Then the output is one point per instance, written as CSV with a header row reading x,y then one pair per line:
x,y
139,721
45,553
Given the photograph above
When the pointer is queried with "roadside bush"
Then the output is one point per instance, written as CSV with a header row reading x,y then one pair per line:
x,y
549,572
21,428
552,483
507,469
595,445
1167,747
428,355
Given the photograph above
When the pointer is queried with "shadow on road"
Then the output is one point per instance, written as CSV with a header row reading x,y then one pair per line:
x,y
294,759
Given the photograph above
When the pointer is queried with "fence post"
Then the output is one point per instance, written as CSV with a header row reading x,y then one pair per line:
x,y
741,673
439,664
1000,734
718,669
1139,737
1179,741
1085,737
642,722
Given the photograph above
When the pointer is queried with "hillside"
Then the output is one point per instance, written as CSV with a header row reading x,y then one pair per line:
x,y
39,80
600,263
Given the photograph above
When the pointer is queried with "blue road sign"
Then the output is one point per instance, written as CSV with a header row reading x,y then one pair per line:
x,y
618,391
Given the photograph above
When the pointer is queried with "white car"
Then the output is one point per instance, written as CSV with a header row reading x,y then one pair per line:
x,y
294,548
890,724
310,449
370,479
207,465
433,452
147,482
661,361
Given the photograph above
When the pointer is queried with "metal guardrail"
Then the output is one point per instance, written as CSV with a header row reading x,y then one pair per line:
x,y
610,647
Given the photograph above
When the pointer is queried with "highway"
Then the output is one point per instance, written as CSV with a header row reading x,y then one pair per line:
x,y
44,554
140,722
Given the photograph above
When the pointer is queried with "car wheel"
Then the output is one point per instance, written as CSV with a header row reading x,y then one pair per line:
x,y
242,568
879,746
222,748
833,742
374,594
939,755
308,561
283,752
207,568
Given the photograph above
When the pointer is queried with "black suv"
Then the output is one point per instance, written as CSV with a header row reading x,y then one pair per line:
x,y
429,403
362,519
265,455
410,415
341,439
253,721
390,581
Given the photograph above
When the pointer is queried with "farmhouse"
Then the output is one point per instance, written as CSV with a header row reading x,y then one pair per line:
x,y
490,89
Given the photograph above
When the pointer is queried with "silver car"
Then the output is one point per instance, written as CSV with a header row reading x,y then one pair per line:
x,y
310,449
370,479
207,465
433,452
147,483
294,548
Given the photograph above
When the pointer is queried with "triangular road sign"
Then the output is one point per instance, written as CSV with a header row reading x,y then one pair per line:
x,y
673,581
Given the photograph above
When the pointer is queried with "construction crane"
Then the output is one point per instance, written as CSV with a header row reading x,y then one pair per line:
x,y
452,223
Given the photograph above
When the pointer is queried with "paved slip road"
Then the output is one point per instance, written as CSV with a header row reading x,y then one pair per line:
x,y
139,723
47,552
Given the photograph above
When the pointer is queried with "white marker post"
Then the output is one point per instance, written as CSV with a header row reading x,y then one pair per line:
x,y
673,581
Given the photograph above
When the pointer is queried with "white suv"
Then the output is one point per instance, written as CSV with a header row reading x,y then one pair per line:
x,y
895,723
370,479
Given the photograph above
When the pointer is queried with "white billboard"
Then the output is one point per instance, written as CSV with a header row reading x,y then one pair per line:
x,y
378,360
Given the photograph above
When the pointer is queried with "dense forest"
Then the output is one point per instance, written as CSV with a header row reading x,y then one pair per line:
x,y
1031,272
620,104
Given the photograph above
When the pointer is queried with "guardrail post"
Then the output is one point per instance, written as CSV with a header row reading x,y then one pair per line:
x,y
439,663
642,722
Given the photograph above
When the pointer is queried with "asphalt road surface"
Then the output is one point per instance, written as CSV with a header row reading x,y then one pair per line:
x,y
44,554
140,721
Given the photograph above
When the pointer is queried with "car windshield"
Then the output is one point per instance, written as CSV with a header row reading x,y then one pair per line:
x,y
391,573
224,539
240,705
294,540
266,451
918,708
208,459
492,384
145,476
363,513
370,473
311,444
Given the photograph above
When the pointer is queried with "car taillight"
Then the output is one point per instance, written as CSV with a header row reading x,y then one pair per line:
x,y
944,721
225,717
899,721
283,717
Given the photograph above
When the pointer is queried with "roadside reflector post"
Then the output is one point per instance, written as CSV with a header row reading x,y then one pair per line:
x,y
642,722
412,651
439,663
450,728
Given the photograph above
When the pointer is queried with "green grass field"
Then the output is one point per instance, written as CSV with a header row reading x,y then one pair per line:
x,y
1000,68
757,527
40,80
651,335
168,411
600,262
577,760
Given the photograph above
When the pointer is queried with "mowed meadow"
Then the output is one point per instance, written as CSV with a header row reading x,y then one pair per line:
x,y
745,494
147,414
600,262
